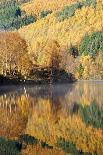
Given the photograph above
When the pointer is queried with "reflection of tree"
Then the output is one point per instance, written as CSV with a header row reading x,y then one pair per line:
x,y
9,147
12,125
30,140
13,114
53,112
70,127
92,115
55,95
86,92
49,91
69,147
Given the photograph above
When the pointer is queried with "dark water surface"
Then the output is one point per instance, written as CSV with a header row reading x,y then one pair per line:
x,y
52,119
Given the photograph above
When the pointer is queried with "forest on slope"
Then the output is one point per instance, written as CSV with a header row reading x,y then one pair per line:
x,y
63,35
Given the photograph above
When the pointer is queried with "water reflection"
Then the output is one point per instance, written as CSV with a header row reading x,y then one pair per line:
x,y
71,112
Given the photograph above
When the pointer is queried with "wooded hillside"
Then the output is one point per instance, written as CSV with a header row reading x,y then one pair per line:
x,y
67,34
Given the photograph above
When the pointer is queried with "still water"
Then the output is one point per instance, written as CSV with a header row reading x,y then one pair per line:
x,y
52,119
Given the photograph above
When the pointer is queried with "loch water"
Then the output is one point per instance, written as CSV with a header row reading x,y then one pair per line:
x,y
52,119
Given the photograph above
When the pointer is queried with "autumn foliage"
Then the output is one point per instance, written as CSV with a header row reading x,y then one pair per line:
x,y
35,7
12,50
73,43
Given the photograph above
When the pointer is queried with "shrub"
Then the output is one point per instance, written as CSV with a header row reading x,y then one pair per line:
x,y
92,44
45,13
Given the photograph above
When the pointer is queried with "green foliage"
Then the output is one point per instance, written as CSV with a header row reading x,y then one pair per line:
x,y
92,115
69,11
8,147
45,13
23,1
92,44
11,16
90,3
8,10
27,139
20,22
69,147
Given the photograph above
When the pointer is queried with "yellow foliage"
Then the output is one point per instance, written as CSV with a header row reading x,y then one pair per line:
x,y
72,30
36,6
23,105
92,68
71,128
37,150
86,62
12,48
48,119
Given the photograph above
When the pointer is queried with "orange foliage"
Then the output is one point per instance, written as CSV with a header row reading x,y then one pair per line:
x,y
12,48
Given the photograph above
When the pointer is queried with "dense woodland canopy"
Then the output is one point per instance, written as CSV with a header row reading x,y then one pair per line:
x,y
64,34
